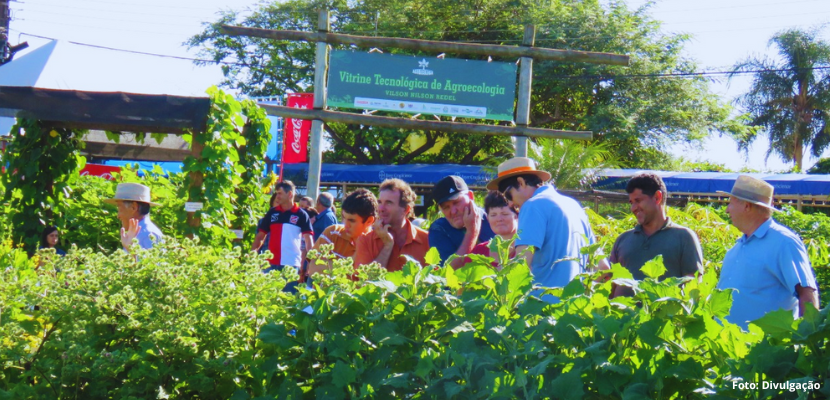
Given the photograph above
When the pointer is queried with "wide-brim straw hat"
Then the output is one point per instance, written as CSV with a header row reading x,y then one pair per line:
x,y
131,192
753,191
517,166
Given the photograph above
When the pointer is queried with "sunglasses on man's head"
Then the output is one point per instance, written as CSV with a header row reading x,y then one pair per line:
x,y
506,192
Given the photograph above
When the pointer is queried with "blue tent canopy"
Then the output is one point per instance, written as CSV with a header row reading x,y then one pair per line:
x,y
711,182
427,174
374,174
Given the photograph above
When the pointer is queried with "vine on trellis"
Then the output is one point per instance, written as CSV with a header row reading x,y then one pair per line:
x,y
42,161
231,164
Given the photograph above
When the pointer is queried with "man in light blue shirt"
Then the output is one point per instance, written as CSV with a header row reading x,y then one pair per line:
x,y
133,202
768,267
555,226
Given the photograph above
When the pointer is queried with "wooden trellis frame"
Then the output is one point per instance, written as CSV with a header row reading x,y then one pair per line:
x,y
319,115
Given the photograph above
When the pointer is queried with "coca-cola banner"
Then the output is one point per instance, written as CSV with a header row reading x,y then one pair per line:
x,y
295,143
104,171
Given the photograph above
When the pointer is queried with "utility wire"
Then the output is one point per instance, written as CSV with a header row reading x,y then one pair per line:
x,y
240,64
598,77
73,7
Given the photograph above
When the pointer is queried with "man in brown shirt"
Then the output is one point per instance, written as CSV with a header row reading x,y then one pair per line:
x,y
393,236
358,212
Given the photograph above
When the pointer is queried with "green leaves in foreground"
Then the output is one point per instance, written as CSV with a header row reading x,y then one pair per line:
x,y
188,321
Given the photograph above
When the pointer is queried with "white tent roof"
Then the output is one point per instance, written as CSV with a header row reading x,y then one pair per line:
x,y
67,66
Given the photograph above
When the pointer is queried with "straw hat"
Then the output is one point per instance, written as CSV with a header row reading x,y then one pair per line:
x,y
131,192
517,166
752,190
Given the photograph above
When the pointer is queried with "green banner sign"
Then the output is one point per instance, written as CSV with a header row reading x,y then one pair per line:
x,y
420,85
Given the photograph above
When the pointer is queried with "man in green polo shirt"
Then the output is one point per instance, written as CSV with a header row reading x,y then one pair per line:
x,y
654,235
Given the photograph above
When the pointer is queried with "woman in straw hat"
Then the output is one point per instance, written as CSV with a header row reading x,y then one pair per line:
x,y
768,267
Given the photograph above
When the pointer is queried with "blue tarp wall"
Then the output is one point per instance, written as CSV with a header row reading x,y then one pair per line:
x,y
711,182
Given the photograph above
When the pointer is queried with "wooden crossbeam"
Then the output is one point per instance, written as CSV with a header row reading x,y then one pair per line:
x,y
406,123
431,46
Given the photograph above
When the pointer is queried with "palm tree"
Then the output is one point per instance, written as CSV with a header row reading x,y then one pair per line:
x,y
790,97
573,164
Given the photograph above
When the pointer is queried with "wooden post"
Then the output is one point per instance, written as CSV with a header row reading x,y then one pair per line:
x,y
196,181
525,81
800,203
321,66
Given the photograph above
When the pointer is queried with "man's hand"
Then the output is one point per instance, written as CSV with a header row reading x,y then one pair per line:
x,y
127,235
472,220
383,233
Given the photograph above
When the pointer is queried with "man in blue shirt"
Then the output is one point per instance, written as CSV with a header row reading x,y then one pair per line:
x,y
553,226
325,217
768,267
463,226
133,202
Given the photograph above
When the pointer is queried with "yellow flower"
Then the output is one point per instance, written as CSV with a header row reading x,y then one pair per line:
x,y
53,133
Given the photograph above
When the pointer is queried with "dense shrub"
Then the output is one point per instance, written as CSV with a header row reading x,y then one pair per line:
x,y
185,321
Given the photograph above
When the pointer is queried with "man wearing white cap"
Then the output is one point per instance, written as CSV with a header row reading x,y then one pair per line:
x,y
133,202
554,226
768,267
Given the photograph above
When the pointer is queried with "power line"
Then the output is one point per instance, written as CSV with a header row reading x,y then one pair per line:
x,y
142,4
107,19
598,77
73,7
745,18
109,28
140,52
739,6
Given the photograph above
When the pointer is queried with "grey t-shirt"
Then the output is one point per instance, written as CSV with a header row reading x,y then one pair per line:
x,y
679,246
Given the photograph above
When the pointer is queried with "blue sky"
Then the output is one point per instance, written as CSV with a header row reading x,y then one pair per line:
x,y
724,32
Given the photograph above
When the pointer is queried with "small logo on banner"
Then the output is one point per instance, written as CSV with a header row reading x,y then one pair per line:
x,y
422,70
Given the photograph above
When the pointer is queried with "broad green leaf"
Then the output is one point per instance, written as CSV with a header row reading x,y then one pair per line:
x,y
778,324
568,386
474,273
720,302
343,374
620,272
637,391
433,257
654,268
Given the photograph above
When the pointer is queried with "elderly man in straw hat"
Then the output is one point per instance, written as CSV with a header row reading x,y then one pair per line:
x,y
768,267
133,202
554,226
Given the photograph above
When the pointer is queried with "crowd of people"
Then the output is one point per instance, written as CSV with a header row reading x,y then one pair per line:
x,y
768,267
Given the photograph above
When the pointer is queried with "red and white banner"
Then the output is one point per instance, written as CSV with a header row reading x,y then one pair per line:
x,y
295,137
104,171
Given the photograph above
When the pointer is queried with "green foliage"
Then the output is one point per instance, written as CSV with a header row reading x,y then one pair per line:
x,y
637,116
228,174
249,202
186,321
790,96
183,320
41,162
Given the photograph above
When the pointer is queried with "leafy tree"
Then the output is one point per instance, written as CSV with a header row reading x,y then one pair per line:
x,y
821,167
637,113
790,96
